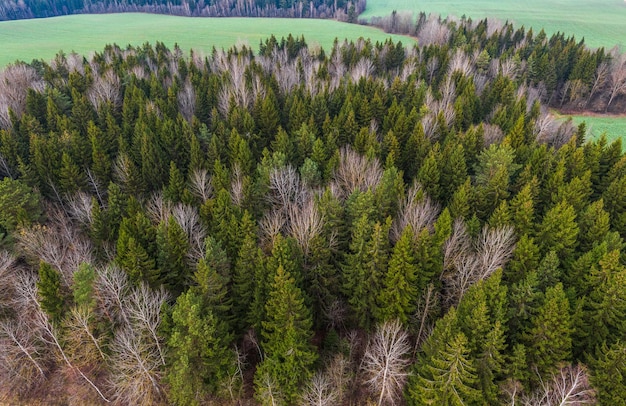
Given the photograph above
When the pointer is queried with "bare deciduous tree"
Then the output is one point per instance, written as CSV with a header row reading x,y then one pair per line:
x,y
135,369
187,100
200,184
599,80
356,172
461,63
268,391
417,210
364,68
22,355
492,134
143,306
467,262
617,76
15,81
59,243
305,223
570,386
105,89
433,32
111,287
80,208
51,336
271,225
84,348
385,361
319,391
188,219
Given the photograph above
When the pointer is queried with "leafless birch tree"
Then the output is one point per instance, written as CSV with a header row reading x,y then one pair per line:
x,y
467,262
385,362
570,386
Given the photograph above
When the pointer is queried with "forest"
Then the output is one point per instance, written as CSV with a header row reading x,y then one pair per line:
x,y
371,224
341,10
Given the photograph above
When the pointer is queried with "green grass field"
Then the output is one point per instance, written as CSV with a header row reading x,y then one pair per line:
x,y
600,22
43,38
613,127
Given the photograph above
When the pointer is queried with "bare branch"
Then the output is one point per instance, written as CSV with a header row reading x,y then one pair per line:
x,y
385,362
200,184
356,172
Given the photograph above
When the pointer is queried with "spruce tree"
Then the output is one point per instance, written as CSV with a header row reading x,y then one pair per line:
x,y
50,291
199,359
549,341
289,355
398,296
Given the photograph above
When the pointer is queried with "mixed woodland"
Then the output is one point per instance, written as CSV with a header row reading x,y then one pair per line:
x,y
338,9
370,224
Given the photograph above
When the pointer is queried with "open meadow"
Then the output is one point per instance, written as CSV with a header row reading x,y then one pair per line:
x,y
613,127
43,38
600,22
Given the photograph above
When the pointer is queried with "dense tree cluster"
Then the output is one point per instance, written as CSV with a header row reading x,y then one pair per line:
x,y
342,10
373,224
567,74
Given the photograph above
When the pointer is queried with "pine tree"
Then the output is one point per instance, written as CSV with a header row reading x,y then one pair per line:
x,y
549,341
199,357
176,186
71,179
448,379
604,310
558,231
594,223
289,356
429,174
454,172
83,288
493,173
50,291
398,297
248,260
173,246
609,374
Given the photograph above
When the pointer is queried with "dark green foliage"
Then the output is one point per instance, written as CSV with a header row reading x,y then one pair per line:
x,y
286,334
549,341
199,357
185,204
19,204
50,292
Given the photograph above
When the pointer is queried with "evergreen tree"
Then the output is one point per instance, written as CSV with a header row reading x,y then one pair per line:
x,y
447,379
83,288
604,310
199,357
549,341
609,374
398,296
594,223
558,231
173,246
289,356
50,292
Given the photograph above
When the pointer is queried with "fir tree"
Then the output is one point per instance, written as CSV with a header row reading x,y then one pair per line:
x,y
398,297
549,341
199,357
50,291
286,334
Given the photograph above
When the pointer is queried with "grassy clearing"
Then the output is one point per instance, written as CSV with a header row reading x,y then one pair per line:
x,y
613,127
600,22
43,38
